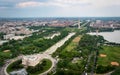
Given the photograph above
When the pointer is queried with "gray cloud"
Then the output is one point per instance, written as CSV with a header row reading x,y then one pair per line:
x,y
68,7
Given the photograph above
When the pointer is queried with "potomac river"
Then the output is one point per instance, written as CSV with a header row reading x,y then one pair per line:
x,y
109,36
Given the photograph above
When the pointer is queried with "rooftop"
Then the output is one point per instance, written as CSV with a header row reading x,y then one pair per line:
x,y
31,57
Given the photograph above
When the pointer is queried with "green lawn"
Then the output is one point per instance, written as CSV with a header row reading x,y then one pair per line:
x,y
46,64
70,50
45,67
5,54
73,44
112,54
15,66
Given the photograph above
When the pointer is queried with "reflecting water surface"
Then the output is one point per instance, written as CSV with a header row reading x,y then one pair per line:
x,y
110,36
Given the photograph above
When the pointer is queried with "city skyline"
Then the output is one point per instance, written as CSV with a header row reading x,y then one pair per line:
x,y
59,8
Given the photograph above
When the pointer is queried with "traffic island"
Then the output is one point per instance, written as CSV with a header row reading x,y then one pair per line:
x,y
17,67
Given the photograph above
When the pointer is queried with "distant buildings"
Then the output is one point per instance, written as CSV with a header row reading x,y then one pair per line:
x,y
104,24
52,35
1,42
22,30
78,24
14,29
11,32
12,36
57,23
8,36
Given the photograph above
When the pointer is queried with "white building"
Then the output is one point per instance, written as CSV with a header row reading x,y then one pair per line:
x,y
19,37
98,21
8,36
19,72
31,60
52,36
3,41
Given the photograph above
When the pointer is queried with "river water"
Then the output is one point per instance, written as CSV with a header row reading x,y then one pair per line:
x,y
110,36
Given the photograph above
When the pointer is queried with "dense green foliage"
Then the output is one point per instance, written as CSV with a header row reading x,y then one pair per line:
x,y
104,69
1,60
60,51
39,68
67,72
15,66
87,45
66,53
3,56
1,35
33,44
101,29
44,65
116,72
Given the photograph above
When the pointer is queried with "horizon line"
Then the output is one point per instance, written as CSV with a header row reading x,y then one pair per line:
x,y
68,17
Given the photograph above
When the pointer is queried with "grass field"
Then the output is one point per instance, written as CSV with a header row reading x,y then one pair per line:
x,y
5,54
112,55
73,44
70,51
68,54
45,68
17,65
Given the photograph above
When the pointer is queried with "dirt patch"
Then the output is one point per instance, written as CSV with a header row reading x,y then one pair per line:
x,y
77,39
6,51
103,55
115,63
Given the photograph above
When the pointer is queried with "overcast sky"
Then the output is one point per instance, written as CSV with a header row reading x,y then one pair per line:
x,y
59,8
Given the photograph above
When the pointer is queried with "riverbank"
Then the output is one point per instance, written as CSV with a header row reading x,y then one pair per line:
x,y
109,36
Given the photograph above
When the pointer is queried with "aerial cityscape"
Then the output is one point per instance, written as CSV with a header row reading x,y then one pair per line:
x,y
59,37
